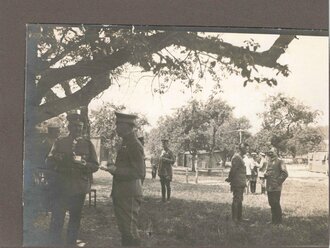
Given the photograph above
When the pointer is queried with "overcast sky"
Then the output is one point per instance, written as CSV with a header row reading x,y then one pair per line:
x,y
308,81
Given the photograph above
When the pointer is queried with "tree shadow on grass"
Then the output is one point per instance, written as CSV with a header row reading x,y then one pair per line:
x,y
197,215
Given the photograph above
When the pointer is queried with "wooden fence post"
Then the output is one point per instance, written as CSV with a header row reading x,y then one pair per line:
x,y
187,175
196,178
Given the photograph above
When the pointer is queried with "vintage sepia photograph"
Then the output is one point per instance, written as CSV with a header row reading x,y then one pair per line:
x,y
163,136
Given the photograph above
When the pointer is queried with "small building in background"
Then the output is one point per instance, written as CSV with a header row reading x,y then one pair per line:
x,y
204,160
318,161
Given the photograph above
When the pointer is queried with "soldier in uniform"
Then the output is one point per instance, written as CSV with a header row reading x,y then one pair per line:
x,y
53,133
154,167
237,180
128,172
275,175
166,160
72,159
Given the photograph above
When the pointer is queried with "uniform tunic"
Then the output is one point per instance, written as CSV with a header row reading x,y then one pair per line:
x,y
130,168
72,178
127,188
165,166
276,175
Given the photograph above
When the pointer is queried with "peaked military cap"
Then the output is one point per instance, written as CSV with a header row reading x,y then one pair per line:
x,y
125,118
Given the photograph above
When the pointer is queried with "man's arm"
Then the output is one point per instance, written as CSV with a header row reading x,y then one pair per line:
x,y
284,172
92,163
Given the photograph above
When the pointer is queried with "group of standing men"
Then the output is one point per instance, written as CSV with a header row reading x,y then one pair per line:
x,y
73,160
273,171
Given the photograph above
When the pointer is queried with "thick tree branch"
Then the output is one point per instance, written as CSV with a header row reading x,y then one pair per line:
x,y
82,97
53,76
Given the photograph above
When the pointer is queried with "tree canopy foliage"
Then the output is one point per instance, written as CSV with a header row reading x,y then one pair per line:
x,y
83,61
286,125
197,126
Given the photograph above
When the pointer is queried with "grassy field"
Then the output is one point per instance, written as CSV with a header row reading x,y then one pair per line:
x,y
199,215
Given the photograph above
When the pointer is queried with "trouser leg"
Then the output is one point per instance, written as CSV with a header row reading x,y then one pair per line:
x,y
253,186
75,209
239,211
237,204
276,210
57,220
263,187
163,185
168,188
126,212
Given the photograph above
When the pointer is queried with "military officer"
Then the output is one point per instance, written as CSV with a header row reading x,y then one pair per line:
x,y
166,160
275,175
72,159
128,172
52,135
237,180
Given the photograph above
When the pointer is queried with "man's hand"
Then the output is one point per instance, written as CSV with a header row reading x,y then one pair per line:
x,y
82,163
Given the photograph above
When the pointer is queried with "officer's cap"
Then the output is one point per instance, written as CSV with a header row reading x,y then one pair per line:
x,y
253,153
125,118
262,154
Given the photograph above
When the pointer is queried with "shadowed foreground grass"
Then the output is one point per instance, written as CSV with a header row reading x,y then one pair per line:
x,y
200,215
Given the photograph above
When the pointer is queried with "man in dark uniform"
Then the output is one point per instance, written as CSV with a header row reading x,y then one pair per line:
x,y
53,133
154,167
128,172
72,159
275,175
237,180
166,160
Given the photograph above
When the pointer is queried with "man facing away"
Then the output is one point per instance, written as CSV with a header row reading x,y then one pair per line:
x,y
275,175
237,180
72,159
128,173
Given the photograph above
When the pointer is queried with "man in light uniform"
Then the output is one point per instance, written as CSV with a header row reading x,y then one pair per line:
x,y
275,175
